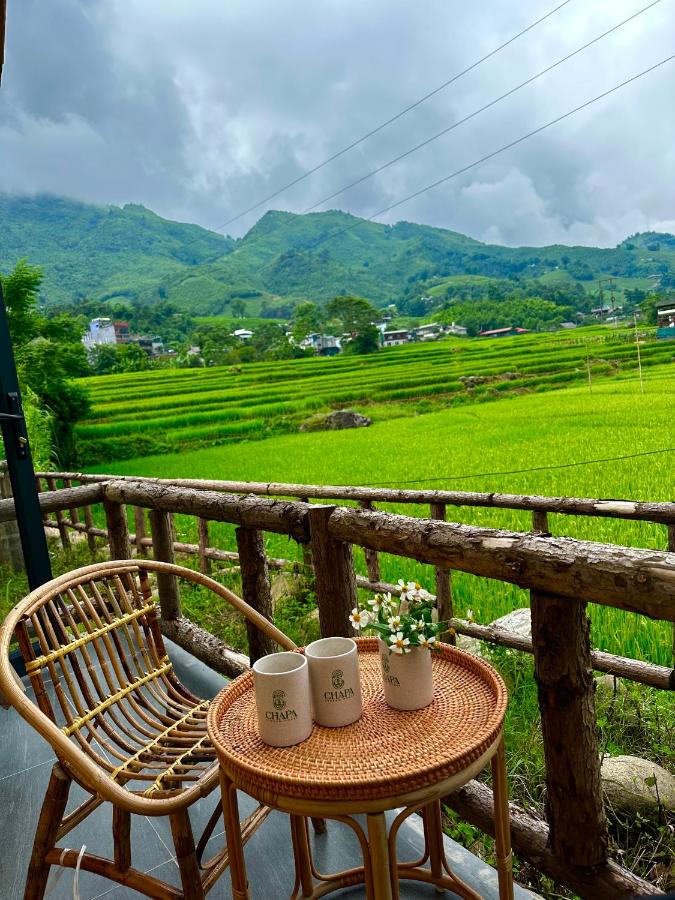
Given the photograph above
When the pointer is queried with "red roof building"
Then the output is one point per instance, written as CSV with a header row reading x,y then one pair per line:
x,y
503,332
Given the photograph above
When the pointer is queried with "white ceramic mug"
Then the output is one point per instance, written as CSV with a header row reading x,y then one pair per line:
x,y
282,700
335,681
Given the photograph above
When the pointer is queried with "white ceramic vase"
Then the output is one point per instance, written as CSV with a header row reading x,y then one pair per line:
x,y
407,678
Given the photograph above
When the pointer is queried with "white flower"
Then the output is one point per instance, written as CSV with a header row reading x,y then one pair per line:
x,y
375,603
469,615
359,618
428,641
394,622
385,600
408,589
399,644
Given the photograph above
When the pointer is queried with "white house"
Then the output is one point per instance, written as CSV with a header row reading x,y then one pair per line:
x,y
428,332
457,330
243,334
321,344
394,338
101,331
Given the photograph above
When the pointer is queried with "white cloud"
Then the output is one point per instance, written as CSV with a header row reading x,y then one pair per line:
x,y
199,110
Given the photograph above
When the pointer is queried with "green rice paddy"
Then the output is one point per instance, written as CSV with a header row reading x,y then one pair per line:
x,y
138,414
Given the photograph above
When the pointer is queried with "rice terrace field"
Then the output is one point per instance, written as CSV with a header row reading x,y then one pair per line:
x,y
167,410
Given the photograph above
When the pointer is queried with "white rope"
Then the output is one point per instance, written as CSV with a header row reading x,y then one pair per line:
x,y
76,879
54,878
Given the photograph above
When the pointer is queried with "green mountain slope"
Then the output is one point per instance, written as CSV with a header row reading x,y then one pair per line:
x,y
100,252
104,252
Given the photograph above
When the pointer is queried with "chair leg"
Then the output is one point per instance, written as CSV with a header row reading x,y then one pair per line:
x,y
51,815
122,838
186,856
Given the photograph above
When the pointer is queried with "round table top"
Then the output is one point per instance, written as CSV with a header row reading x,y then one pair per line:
x,y
386,753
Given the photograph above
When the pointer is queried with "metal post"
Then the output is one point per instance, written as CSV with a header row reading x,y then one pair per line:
x,y
20,464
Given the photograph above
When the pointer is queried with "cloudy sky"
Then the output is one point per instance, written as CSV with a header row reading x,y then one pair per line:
x,y
200,109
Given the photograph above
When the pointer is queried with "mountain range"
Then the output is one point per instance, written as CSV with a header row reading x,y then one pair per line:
x,y
111,253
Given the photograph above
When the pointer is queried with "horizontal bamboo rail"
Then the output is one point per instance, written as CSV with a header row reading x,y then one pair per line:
x,y
561,574
649,674
662,513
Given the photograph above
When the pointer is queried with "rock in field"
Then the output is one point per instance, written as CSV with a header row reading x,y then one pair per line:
x,y
636,785
519,622
469,644
341,418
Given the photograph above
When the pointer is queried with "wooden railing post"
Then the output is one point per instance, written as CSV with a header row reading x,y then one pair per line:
x,y
11,553
89,524
306,548
74,514
565,685
334,575
118,530
255,584
139,528
161,526
671,548
540,522
566,689
63,531
204,561
443,582
372,559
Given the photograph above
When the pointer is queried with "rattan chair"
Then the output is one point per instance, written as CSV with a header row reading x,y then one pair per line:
x,y
121,723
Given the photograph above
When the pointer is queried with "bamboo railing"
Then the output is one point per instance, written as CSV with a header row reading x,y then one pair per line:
x,y
561,574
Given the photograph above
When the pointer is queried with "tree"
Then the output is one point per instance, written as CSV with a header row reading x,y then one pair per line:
x,y
355,313
307,317
367,341
48,353
20,290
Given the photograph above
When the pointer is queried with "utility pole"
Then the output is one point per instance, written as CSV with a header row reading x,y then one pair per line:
x,y
637,344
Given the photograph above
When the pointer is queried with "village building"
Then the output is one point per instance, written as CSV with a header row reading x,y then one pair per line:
x,y
665,321
394,338
511,331
244,334
101,331
456,330
322,344
428,332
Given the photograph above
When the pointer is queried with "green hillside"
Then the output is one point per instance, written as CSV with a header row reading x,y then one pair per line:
x,y
104,252
100,252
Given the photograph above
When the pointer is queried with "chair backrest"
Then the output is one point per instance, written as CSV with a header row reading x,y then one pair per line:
x,y
94,652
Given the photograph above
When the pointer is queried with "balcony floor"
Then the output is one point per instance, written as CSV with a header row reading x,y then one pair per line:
x,y
25,764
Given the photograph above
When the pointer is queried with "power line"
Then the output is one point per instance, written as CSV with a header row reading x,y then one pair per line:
x,y
491,155
477,112
393,119
585,462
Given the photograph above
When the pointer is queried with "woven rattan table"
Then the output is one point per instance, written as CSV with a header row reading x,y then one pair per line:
x,y
387,760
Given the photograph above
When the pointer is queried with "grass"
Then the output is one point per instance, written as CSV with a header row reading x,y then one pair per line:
x,y
138,414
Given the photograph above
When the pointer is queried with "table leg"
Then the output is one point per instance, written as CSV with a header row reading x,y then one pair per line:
x,y
433,832
235,848
502,824
303,865
378,843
